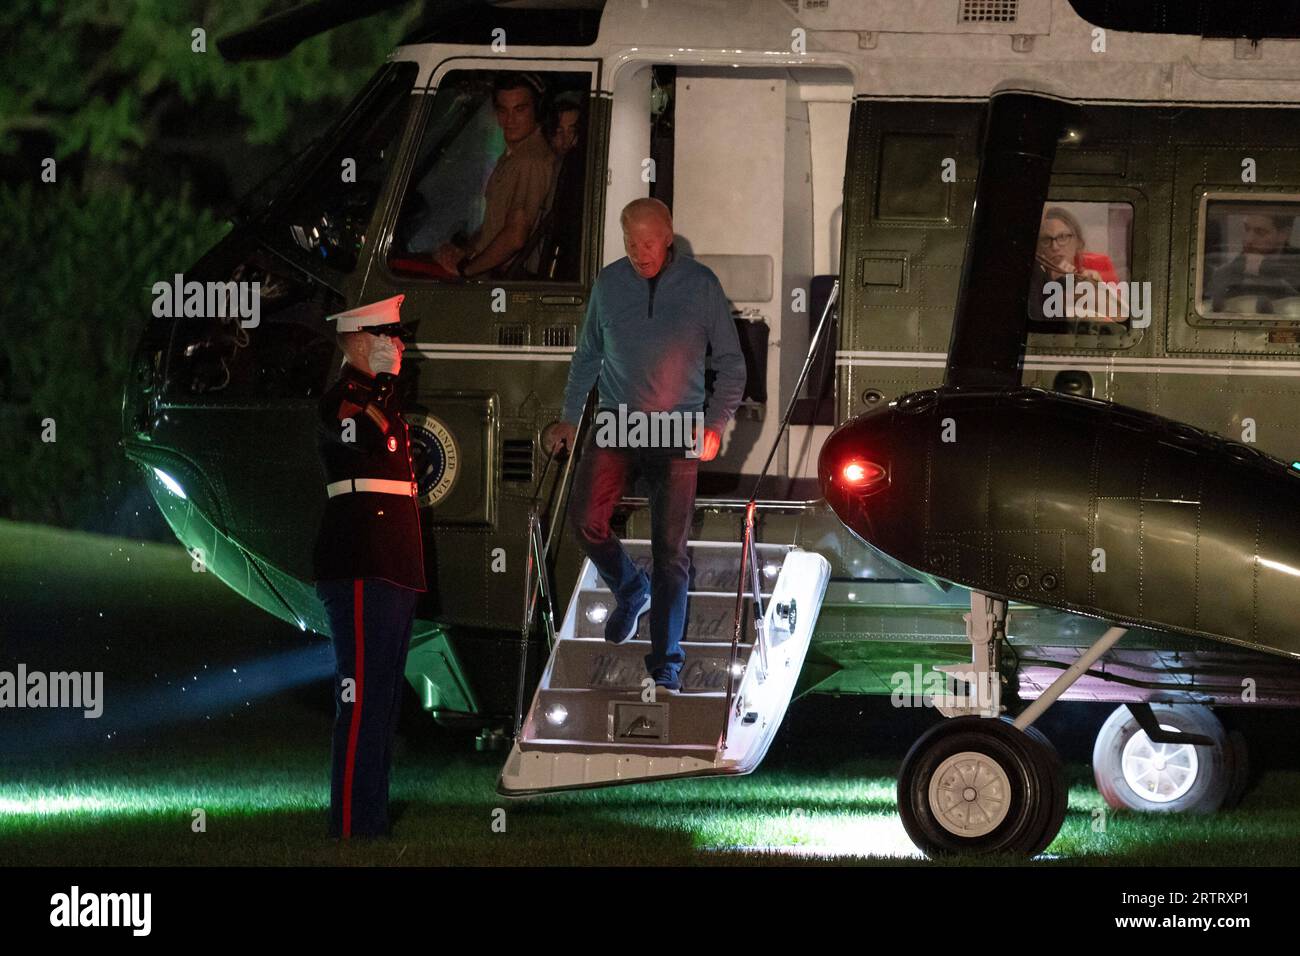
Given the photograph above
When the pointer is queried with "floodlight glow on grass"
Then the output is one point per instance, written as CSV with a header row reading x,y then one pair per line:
x,y
44,803
208,693
869,835
22,806
827,819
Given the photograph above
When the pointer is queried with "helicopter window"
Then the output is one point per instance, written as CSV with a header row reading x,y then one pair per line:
x,y
1249,258
496,190
328,214
1080,280
274,350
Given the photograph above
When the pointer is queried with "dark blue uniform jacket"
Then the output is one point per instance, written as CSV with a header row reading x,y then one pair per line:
x,y
367,534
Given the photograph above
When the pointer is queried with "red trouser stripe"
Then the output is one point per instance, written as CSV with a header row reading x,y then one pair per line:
x,y
354,730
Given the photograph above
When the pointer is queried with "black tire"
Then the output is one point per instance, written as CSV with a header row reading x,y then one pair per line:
x,y
1242,772
1209,771
1009,769
1054,774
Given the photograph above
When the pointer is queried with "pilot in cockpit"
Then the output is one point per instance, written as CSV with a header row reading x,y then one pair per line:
x,y
516,192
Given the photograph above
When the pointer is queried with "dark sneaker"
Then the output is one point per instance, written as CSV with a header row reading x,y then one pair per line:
x,y
666,679
626,618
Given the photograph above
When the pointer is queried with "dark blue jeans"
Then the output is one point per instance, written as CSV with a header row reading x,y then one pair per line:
x,y
597,487
370,625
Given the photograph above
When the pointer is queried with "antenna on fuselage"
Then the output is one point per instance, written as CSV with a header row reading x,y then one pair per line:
x,y
1212,19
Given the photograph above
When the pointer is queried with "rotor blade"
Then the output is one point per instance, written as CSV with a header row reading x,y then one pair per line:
x,y
277,35
1217,19
992,316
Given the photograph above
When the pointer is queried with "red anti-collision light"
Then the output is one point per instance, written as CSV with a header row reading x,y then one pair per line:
x,y
859,474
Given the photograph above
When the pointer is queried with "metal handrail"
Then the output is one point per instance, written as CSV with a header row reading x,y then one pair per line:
x,y
735,623
760,620
735,504
747,556
566,479
534,584
535,567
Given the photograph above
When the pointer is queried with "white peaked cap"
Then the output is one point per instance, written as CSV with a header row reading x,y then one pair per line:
x,y
385,312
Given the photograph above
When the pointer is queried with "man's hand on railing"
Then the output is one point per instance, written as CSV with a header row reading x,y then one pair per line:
x,y
558,435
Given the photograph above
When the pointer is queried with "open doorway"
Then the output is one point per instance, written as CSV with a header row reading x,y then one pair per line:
x,y
751,162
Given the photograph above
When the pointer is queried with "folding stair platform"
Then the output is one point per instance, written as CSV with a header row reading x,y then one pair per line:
x,y
596,719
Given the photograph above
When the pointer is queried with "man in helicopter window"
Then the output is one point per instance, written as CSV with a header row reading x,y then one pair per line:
x,y
1264,272
562,241
516,192
368,563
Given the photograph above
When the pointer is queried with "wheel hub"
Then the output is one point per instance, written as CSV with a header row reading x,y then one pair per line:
x,y
1160,773
970,794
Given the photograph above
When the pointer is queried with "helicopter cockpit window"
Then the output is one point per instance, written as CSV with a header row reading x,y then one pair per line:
x,y
327,216
1249,260
1080,281
496,191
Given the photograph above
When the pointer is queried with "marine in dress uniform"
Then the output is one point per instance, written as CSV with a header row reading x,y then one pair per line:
x,y
368,562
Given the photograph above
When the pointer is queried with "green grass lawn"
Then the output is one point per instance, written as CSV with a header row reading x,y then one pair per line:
x,y
256,761
265,806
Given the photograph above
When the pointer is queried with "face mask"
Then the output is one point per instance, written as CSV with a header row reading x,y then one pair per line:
x,y
384,356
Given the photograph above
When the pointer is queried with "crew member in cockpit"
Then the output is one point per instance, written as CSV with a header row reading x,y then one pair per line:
x,y
517,190
368,562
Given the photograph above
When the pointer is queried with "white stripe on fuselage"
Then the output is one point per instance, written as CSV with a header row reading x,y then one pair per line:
x,y
460,352
456,352
1047,363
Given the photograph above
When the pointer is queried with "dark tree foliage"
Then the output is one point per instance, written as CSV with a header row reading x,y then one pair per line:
x,y
154,137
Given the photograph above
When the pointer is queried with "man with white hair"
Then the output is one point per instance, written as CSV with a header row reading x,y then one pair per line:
x,y
651,317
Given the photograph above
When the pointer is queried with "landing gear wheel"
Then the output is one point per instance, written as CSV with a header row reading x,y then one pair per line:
x,y
1054,774
972,786
1243,773
1133,773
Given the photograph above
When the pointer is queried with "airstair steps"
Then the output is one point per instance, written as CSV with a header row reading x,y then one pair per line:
x,y
710,616
593,723
689,719
600,665
714,564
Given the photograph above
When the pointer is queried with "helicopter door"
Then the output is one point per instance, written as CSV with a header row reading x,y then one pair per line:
x,y
751,162
486,233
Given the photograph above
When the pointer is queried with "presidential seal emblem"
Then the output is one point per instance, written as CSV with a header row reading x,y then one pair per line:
x,y
434,457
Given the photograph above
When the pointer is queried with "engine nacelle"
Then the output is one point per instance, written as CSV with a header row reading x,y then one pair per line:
x,y
1080,505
